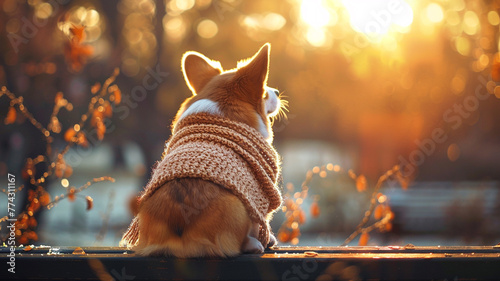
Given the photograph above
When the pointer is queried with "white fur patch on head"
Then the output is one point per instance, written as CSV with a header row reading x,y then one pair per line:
x,y
203,105
272,102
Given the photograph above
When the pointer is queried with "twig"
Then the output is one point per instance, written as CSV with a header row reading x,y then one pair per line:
x,y
373,201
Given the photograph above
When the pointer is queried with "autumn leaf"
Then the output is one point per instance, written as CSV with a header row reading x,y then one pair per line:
x,y
70,133
315,210
77,54
28,248
90,202
54,125
363,239
101,130
58,98
403,181
44,199
118,96
361,183
96,118
82,140
351,174
11,116
68,171
71,194
95,88
284,236
31,235
108,110
302,217
23,240
34,205
78,251
379,212
78,33
388,226
32,222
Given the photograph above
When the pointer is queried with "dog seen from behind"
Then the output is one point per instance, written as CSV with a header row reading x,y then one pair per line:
x,y
215,188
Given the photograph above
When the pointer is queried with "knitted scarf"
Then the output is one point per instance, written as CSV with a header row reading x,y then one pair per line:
x,y
228,153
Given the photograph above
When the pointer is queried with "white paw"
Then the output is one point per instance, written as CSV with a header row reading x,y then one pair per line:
x,y
272,241
253,246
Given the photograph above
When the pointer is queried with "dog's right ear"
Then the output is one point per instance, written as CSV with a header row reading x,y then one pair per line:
x,y
198,70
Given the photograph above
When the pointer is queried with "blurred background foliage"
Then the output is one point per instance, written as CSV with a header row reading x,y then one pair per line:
x,y
368,81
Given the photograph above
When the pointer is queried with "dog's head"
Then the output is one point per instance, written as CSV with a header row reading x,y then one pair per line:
x,y
240,94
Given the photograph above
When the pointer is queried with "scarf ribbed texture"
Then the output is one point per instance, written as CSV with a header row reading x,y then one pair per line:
x,y
228,153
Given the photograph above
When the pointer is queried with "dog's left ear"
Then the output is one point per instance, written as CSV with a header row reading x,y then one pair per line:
x,y
198,70
253,73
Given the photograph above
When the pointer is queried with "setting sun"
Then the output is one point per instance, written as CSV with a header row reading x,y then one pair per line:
x,y
375,18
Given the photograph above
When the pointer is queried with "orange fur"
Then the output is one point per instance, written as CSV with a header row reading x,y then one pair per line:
x,y
192,217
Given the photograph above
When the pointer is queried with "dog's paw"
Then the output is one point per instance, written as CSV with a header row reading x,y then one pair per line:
x,y
253,246
272,241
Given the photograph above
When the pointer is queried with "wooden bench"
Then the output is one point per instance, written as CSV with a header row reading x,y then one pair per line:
x,y
280,263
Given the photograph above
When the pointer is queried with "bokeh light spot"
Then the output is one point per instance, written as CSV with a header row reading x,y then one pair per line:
x,y
314,14
434,13
493,18
207,29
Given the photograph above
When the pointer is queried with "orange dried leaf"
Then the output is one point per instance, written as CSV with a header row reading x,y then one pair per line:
x,y
315,210
23,240
363,239
95,88
118,96
302,217
351,174
101,130
78,251
82,140
284,236
403,181
71,194
31,195
388,226
11,116
31,235
32,223
361,183
58,97
78,33
90,202
96,118
70,133
379,212
108,110
44,199
68,171
28,248
34,205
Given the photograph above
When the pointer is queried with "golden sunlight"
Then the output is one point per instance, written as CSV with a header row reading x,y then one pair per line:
x,y
314,13
376,18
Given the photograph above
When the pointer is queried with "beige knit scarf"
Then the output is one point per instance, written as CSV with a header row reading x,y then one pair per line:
x,y
231,154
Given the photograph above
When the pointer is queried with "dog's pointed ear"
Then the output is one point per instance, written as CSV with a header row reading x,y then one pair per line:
x,y
198,70
254,71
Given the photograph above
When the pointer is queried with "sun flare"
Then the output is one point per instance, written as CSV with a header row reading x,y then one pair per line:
x,y
376,18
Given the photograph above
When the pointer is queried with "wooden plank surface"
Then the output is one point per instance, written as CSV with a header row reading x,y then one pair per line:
x,y
280,263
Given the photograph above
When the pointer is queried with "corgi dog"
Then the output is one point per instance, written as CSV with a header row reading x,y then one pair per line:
x,y
218,223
